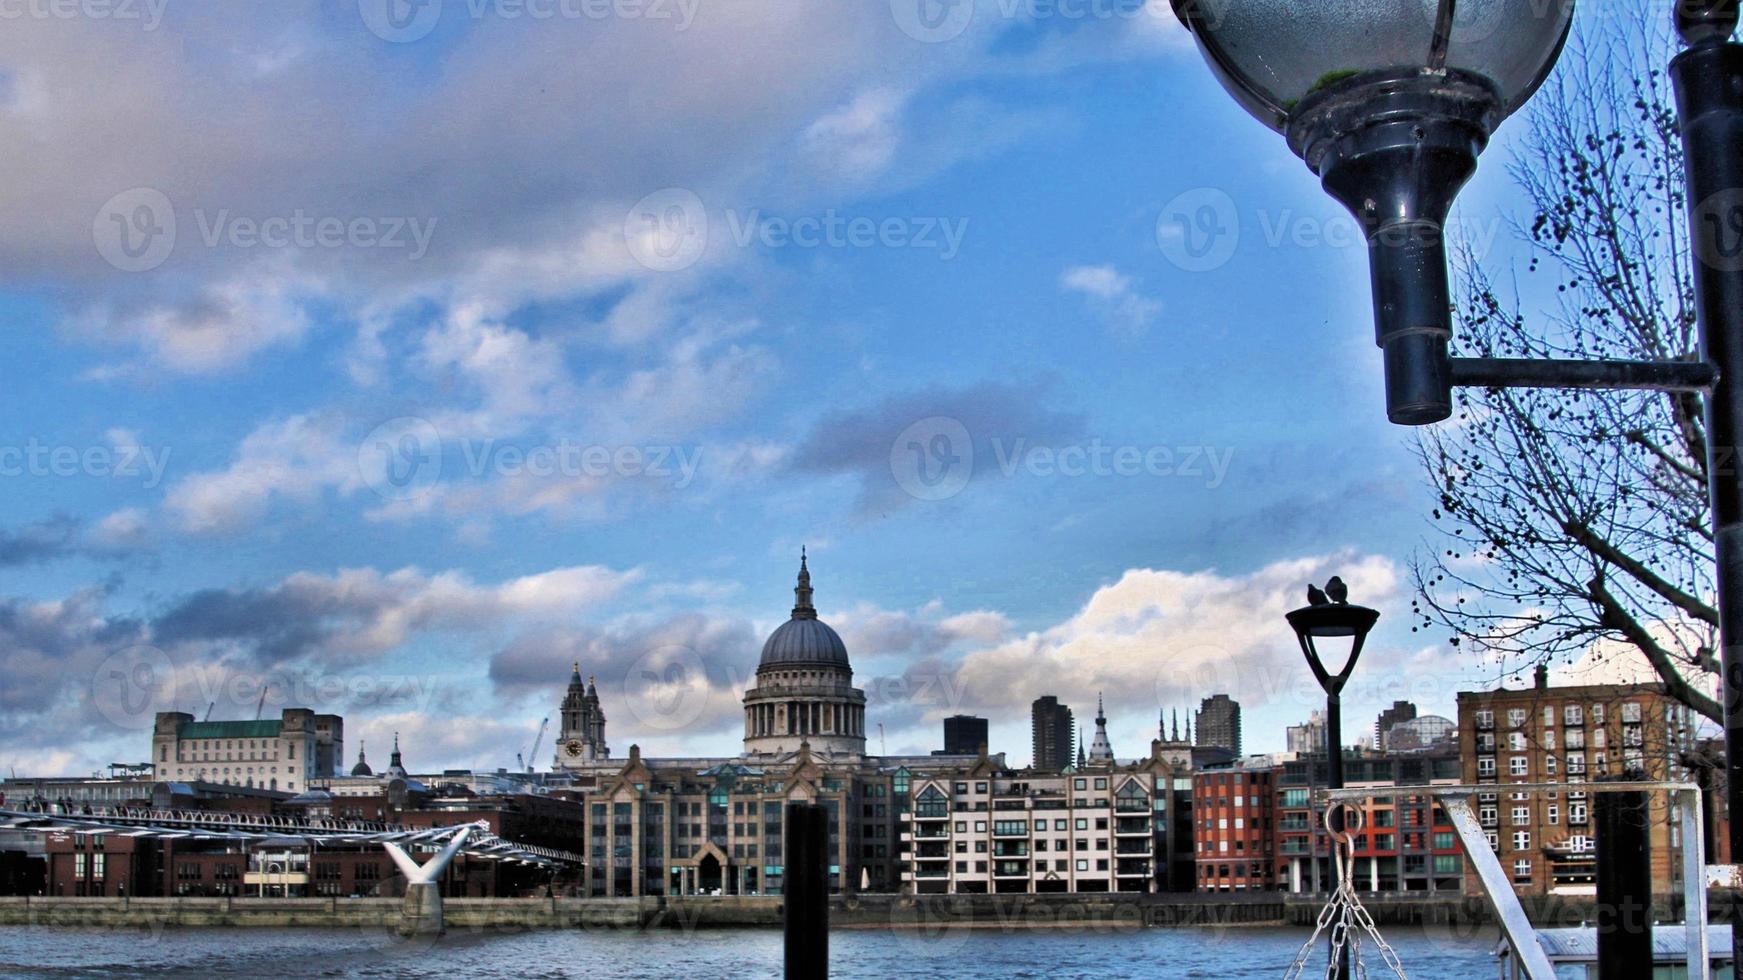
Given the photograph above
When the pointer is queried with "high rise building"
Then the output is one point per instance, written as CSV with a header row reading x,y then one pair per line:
x,y
964,734
1307,737
1052,734
1219,723
1399,712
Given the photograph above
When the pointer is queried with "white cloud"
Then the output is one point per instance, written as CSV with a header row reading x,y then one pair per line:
x,y
1114,298
296,458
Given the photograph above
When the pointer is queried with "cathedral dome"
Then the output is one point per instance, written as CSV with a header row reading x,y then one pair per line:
x,y
804,640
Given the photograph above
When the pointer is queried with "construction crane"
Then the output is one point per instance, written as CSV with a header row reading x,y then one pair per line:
x,y
209,706
883,747
530,759
262,705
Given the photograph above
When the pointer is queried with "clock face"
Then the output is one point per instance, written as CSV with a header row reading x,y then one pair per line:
x,y
574,747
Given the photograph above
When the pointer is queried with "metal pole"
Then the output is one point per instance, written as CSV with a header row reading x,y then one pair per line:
x,y
1624,910
805,907
1709,88
1334,779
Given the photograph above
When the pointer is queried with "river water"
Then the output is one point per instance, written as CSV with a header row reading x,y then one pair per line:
x,y
1427,954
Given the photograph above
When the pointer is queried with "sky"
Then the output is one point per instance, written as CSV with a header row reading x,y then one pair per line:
x,y
387,359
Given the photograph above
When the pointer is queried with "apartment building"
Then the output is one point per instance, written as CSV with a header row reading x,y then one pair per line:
x,y
1569,735
1234,828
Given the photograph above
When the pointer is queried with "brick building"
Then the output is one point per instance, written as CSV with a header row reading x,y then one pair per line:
x,y
1234,819
1569,735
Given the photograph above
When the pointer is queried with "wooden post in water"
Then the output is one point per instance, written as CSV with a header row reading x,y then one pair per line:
x,y
805,906
1624,887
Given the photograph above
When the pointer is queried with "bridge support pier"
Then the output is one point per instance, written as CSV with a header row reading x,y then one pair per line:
x,y
421,915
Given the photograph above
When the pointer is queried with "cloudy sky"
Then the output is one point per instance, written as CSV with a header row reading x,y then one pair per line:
x,y
388,358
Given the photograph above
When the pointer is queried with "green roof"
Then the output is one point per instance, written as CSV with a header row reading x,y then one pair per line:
x,y
229,729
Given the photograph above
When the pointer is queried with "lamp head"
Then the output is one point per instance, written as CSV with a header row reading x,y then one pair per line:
x,y
1390,104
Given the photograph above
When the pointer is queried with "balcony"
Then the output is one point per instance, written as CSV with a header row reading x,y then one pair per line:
x,y
926,872
1133,847
922,833
1010,869
1011,849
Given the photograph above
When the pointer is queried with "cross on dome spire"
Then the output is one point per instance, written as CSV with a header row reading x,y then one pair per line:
x,y
802,608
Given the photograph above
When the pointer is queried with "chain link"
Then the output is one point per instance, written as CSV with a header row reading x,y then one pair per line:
x,y
1348,922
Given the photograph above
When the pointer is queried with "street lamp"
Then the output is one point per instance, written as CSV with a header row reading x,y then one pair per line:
x,y
1332,618
1392,118
1390,105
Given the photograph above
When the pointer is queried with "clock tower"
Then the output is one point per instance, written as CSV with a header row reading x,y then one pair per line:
x,y
582,735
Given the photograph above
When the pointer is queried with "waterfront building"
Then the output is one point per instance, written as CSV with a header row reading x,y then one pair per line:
x,y
1401,711
1547,842
680,826
964,735
1100,828
1053,734
1233,821
273,754
1406,843
1219,723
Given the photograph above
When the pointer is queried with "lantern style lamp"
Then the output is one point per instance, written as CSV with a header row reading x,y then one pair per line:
x,y
1390,102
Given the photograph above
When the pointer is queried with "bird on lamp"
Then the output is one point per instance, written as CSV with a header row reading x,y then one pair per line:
x,y
1337,590
1315,597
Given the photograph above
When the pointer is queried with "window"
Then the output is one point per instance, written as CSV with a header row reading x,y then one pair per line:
x,y
1548,739
1522,872
1485,719
1488,815
1083,865
1552,814
1447,864
1576,764
1550,763
1485,767
1101,783
1548,716
1516,741
1572,715
1521,816
1444,841
1515,717
1597,714
1522,840
1081,784
1516,766
1631,713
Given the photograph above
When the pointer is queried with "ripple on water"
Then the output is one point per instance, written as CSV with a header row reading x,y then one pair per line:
x,y
1222,954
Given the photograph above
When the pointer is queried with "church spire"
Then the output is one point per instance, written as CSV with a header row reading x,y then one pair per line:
x,y
575,674
802,608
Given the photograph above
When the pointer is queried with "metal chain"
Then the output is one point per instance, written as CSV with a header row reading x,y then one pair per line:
x,y
1348,921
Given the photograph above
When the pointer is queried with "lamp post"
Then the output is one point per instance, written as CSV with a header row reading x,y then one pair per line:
x,y
1334,619
1391,105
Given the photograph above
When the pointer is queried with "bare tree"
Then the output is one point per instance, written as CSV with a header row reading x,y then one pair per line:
x,y
1576,517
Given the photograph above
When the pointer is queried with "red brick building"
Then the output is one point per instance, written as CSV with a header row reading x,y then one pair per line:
x,y
1234,819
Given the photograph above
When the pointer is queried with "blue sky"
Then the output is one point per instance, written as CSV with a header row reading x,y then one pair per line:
x,y
486,343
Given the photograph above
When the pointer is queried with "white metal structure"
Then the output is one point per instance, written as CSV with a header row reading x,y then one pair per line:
x,y
1521,937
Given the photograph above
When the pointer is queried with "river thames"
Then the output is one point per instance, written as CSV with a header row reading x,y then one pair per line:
x,y
1428,954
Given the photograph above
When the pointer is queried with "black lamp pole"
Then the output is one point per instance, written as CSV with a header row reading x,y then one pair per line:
x,y
1329,618
1709,88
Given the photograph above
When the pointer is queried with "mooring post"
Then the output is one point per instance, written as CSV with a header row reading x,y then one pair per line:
x,y
1624,910
805,907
